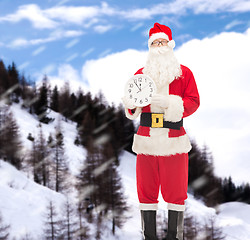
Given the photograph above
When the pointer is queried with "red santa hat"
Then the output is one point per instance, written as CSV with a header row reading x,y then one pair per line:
x,y
161,31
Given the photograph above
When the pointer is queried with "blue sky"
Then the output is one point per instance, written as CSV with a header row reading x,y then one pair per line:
x,y
41,35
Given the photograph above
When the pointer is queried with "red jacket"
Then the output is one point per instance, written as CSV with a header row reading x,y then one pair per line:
x,y
183,100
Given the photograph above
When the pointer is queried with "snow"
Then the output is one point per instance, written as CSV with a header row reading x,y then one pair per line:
x,y
235,221
29,124
23,202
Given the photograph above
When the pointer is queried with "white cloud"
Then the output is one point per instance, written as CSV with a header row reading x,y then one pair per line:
x,y
110,73
88,16
180,7
18,43
68,14
102,28
221,67
34,14
66,73
51,18
55,35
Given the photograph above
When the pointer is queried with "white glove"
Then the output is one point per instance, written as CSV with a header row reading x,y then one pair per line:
x,y
160,100
127,103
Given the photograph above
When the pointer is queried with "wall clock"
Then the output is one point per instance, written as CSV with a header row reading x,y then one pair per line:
x,y
140,89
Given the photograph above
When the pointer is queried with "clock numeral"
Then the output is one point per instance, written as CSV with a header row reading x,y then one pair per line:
x,y
151,89
141,102
131,85
135,100
150,84
140,79
130,96
146,99
129,90
150,95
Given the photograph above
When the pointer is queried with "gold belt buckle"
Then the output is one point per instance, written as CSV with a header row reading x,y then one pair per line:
x,y
157,120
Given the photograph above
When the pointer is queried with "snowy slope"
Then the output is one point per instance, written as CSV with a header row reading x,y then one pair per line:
x,y
234,218
29,124
23,202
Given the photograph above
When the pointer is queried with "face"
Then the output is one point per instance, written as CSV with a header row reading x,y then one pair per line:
x,y
159,42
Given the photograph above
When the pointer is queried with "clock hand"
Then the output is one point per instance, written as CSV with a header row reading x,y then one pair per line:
x,y
139,89
137,85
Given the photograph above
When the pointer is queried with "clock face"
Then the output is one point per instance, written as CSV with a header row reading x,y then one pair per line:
x,y
139,90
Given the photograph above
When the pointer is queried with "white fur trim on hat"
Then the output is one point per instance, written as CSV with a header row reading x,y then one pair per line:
x,y
171,44
156,36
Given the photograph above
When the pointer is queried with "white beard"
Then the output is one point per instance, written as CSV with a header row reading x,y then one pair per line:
x,y
162,65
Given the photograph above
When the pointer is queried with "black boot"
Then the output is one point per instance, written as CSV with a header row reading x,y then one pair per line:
x,y
175,225
148,219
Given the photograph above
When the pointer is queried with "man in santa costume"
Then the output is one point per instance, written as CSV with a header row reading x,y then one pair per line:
x,y
162,151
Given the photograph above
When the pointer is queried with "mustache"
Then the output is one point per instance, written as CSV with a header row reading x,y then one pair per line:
x,y
160,50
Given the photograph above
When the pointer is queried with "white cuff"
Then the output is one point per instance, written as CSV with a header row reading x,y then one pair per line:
x,y
148,206
174,112
134,115
176,207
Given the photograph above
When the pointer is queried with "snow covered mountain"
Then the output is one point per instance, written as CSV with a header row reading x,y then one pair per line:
x,y
23,202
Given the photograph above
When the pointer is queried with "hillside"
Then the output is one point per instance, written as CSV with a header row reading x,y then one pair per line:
x,y
23,202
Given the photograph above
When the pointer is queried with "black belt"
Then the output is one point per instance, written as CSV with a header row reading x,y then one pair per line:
x,y
155,120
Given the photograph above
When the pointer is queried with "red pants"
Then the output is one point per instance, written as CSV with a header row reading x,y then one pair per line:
x,y
170,173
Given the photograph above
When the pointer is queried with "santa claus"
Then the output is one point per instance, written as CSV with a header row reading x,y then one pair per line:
x,y
162,150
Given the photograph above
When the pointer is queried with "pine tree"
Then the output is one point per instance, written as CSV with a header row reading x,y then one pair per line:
x,y
80,107
33,159
41,105
25,88
69,223
191,227
115,201
39,159
246,193
202,180
53,224
64,101
83,230
61,168
4,229
87,183
43,158
55,100
124,130
14,82
10,144
4,79
212,231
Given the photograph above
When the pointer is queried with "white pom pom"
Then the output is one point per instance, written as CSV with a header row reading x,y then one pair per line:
x,y
171,44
